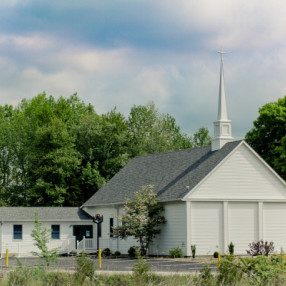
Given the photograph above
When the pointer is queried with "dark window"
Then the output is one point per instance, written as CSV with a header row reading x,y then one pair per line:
x,y
111,226
55,231
17,231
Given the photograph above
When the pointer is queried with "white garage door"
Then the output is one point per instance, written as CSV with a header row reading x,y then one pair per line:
x,y
207,227
243,225
274,224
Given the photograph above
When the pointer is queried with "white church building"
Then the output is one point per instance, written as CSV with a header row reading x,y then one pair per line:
x,y
212,196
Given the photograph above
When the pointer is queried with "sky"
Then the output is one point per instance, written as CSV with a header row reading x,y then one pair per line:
x,y
130,52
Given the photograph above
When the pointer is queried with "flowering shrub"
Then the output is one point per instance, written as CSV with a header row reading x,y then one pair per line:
x,y
141,219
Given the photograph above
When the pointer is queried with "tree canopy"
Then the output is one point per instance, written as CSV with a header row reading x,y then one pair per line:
x,y
59,152
268,136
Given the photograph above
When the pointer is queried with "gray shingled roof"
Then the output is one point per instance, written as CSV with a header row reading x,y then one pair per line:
x,y
170,173
44,214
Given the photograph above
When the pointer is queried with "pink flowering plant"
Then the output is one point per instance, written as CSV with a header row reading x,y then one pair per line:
x,y
142,218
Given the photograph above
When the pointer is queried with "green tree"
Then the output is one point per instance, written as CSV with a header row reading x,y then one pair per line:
x,y
42,236
268,136
54,160
202,138
142,218
153,132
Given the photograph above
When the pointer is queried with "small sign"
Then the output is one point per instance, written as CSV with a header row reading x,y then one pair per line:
x,y
88,233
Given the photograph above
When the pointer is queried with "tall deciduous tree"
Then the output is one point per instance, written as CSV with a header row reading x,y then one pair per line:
x,y
142,218
268,136
153,132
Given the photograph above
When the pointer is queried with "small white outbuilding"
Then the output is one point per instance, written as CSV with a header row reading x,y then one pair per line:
x,y
212,195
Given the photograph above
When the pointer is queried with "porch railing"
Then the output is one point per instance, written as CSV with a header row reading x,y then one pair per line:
x,y
85,244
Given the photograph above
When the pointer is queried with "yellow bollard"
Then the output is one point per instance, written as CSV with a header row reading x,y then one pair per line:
x,y
7,257
218,260
99,258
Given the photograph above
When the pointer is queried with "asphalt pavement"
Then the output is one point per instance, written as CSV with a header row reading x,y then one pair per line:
x,y
114,264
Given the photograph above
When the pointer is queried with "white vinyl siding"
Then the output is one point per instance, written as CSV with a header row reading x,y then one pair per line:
x,y
24,246
243,225
274,224
241,176
173,232
207,227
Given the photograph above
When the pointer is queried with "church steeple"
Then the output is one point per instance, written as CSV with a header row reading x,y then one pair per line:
x,y
222,127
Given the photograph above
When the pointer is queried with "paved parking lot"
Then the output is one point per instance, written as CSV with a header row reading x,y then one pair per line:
x,y
117,264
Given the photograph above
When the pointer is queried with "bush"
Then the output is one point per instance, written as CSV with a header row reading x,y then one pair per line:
x,y
260,248
206,277
132,251
141,267
229,272
85,268
231,248
106,252
215,254
117,253
193,248
176,252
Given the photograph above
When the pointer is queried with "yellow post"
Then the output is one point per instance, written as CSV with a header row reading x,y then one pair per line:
x,y
7,257
99,258
218,260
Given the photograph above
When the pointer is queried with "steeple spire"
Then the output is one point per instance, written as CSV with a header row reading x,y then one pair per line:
x,y
222,112
222,127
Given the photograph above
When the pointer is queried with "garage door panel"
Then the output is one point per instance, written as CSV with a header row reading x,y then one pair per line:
x,y
207,227
243,225
274,224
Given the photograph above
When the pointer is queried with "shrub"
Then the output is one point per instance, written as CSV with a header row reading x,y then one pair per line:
x,y
106,252
85,268
141,267
57,279
132,251
229,272
193,248
231,248
176,252
215,254
206,277
260,248
117,253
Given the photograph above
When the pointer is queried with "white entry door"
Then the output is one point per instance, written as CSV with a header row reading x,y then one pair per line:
x,y
207,227
242,225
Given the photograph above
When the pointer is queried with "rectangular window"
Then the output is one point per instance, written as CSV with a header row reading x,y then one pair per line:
x,y
111,227
55,231
17,231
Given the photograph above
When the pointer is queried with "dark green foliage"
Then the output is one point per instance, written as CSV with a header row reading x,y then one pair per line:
x,y
260,248
60,152
176,252
193,249
117,253
231,248
132,251
106,252
85,269
268,136
215,254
